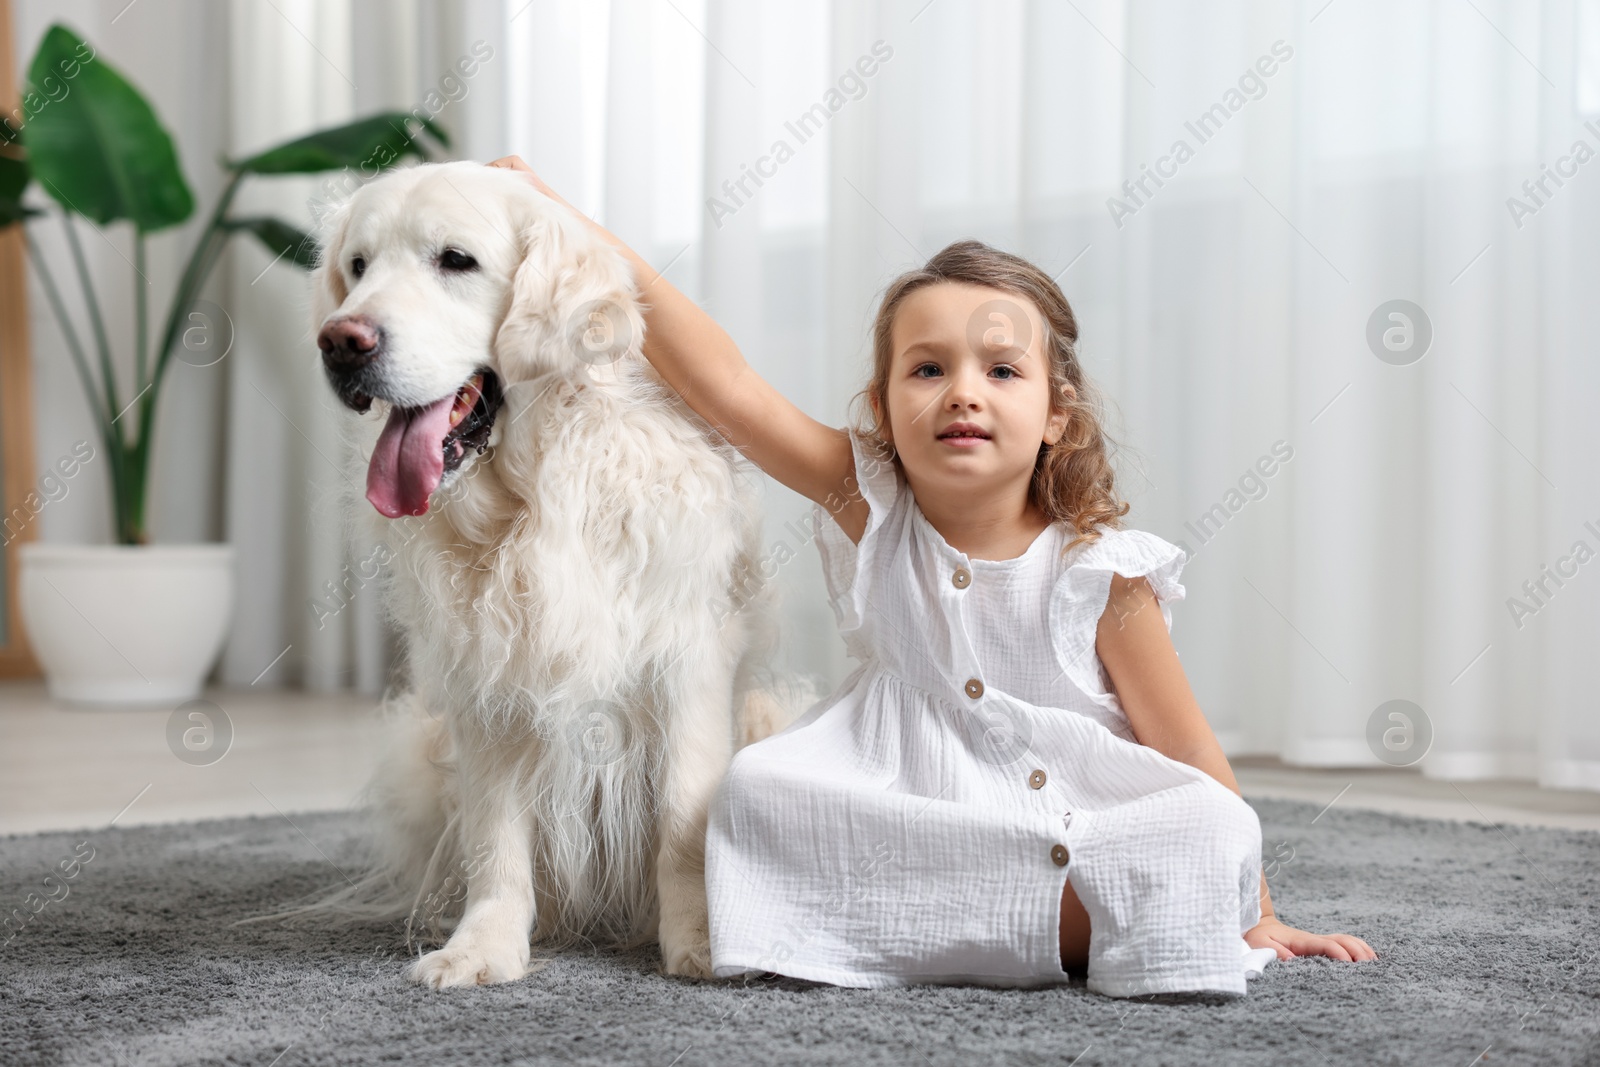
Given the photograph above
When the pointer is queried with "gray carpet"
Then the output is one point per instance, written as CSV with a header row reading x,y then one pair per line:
x,y
1487,942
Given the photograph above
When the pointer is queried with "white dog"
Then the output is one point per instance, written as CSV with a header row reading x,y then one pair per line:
x,y
586,625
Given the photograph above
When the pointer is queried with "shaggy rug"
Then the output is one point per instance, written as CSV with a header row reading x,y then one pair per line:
x,y
1487,938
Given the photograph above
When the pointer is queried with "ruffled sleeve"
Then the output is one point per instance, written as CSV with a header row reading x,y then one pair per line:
x,y
848,567
1081,594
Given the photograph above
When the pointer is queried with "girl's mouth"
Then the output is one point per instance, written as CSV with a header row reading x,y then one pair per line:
x,y
964,435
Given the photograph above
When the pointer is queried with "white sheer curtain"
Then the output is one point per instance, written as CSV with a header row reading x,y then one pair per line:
x,y
1340,156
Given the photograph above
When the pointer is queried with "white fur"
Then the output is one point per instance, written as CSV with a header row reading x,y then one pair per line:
x,y
586,629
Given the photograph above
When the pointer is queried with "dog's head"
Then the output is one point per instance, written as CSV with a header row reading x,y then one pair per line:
x,y
442,287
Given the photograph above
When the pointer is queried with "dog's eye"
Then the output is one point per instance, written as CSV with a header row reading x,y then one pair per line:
x,y
358,266
453,259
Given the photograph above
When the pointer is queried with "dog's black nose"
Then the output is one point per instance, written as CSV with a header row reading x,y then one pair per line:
x,y
349,341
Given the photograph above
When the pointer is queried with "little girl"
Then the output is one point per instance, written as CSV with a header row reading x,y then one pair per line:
x,y
1017,781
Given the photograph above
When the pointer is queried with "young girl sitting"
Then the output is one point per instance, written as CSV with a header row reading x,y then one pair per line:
x,y
1016,783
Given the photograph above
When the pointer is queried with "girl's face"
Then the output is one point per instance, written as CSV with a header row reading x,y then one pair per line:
x,y
969,387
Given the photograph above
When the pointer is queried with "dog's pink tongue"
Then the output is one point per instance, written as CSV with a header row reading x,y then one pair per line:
x,y
409,459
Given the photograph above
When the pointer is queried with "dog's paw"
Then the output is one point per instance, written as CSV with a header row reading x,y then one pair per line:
x,y
463,965
689,956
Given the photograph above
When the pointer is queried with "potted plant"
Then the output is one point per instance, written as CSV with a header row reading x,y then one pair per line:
x,y
133,622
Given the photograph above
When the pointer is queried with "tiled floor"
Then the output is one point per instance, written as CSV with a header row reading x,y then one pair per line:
x,y
1407,792
67,768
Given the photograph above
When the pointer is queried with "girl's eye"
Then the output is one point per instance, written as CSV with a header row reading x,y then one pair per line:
x,y
1006,371
358,266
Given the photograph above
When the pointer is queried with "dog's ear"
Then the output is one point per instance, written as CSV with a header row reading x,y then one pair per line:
x,y
573,301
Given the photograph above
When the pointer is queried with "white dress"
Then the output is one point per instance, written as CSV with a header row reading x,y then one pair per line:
x,y
917,824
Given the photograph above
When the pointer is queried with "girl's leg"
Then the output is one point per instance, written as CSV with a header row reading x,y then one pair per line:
x,y
1074,931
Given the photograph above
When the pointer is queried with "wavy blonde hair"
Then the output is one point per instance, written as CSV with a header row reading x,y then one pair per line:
x,y
1073,479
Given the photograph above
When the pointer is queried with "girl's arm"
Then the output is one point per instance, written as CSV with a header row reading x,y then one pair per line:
x,y
1134,645
700,361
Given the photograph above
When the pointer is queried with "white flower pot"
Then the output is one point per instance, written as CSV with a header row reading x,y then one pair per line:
x,y
126,624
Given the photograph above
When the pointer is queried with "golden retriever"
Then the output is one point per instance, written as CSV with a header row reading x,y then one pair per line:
x,y
574,561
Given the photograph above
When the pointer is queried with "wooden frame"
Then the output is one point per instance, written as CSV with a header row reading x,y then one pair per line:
x,y
16,399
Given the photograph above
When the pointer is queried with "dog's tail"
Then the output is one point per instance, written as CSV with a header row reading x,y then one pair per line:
x,y
764,712
410,814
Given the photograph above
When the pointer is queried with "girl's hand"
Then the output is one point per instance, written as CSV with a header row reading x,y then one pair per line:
x,y
516,163
1270,933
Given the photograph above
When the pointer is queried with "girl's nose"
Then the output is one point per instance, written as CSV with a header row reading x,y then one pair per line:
x,y
963,389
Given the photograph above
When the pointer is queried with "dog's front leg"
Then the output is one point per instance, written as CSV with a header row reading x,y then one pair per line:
x,y
699,746
490,943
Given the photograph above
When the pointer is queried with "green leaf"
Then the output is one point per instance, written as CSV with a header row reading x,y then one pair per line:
x,y
94,143
13,180
280,239
370,143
